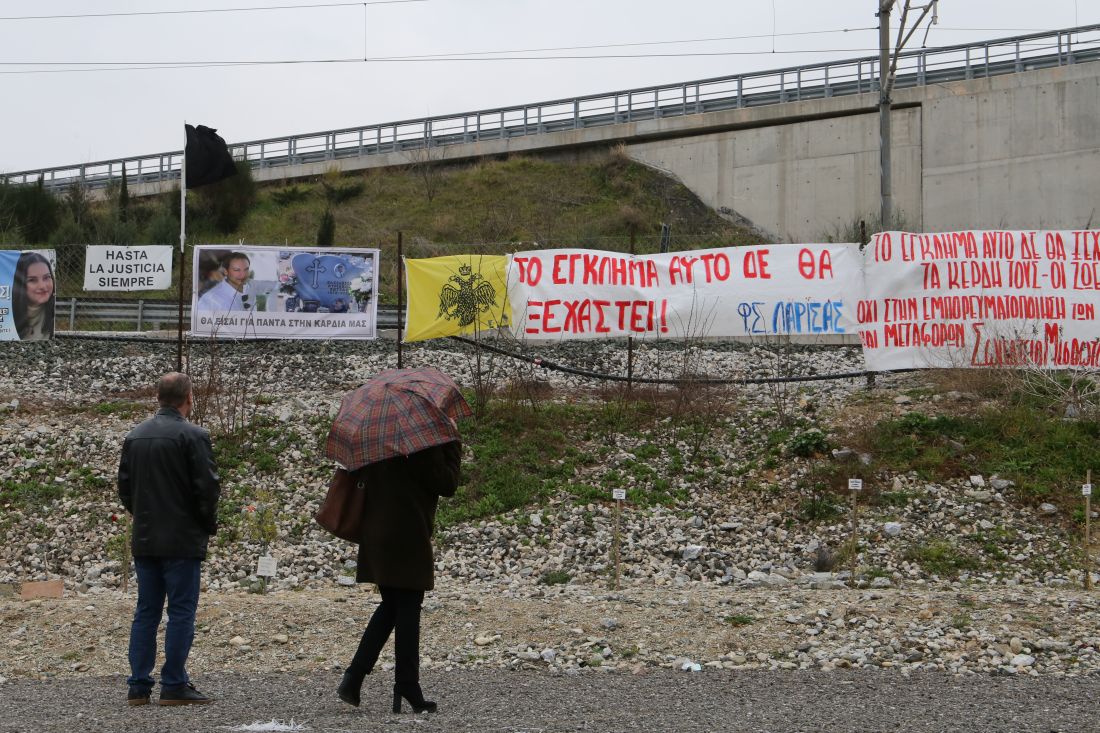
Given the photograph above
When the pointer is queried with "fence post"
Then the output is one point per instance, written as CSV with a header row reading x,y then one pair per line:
x,y
630,339
72,314
141,313
400,295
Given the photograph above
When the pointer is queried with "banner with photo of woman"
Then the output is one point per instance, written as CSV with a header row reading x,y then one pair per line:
x,y
27,294
284,293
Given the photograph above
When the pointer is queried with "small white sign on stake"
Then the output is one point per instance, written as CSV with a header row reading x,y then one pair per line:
x,y
266,566
855,484
618,494
1086,489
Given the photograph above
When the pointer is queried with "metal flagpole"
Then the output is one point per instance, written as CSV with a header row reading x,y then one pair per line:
x,y
183,239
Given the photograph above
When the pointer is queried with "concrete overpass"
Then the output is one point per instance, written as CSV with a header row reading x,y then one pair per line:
x,y
998,134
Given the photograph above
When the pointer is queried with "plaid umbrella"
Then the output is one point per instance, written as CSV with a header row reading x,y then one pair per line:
x,y
398,412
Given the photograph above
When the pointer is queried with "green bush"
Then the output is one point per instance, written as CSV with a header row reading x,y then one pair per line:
x,y
555,577
163,228
808,443
31,210
29,495
326,230
224,205
289,195
1044,455
942,557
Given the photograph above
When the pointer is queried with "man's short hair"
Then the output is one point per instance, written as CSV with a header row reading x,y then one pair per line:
x,y
173,388
235,256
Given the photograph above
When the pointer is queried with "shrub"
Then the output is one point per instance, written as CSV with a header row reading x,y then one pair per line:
x,y
31,209
289,195
225,204
555,577
941,557
326,231
808,443
740,619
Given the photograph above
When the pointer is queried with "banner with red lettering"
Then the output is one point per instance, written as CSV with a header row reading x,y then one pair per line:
x,y
981,299
763,290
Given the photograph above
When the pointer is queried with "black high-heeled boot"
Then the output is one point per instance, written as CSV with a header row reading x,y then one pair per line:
x,y
350,685
414,696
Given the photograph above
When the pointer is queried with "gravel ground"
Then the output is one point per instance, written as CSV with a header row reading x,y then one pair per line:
x,y
530,702
724,579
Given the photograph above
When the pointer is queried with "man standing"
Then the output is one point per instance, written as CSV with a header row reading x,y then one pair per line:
x,y
168,482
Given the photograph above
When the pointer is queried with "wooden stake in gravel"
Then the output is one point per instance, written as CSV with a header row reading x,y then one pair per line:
x,y
855,485
616,548
1087,491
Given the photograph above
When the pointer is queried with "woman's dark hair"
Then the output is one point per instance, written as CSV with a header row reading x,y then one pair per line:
x,y
19,296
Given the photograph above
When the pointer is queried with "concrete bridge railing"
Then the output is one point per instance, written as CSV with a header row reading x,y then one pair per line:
x,y
852,76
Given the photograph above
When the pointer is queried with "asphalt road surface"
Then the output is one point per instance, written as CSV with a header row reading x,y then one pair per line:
x,y
504,701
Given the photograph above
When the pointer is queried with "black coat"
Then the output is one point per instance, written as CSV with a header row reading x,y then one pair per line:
x,y
399,516
168,481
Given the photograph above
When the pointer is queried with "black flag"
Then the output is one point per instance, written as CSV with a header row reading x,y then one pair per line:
x,y
208,158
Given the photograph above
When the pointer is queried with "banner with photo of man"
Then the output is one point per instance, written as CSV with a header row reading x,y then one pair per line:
x,y
271,292
27,294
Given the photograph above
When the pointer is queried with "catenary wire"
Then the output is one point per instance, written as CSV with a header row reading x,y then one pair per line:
x,y
451,55
469,56
202,65
201,11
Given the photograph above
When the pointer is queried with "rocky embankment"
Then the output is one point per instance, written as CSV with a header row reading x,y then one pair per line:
x,y
959,576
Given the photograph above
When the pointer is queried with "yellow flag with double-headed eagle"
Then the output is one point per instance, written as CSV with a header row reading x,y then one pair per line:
x,y
456,295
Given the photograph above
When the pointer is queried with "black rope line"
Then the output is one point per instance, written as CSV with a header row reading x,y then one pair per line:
x,y
549,364
554,366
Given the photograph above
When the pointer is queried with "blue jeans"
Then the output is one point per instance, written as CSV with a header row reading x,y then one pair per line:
x,y
160,578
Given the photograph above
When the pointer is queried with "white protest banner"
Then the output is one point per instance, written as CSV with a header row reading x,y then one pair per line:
x,y
282,292
763,290
109,267
981,299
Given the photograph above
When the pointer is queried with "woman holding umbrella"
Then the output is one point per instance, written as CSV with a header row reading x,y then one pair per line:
x,y
398,434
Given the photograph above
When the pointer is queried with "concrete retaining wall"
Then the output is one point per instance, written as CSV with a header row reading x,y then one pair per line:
x,y
1014,151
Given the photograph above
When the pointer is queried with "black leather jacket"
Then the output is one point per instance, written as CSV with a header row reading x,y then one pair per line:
x,y
167,480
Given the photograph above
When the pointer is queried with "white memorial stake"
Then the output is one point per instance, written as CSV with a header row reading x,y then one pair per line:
x,y
1086,491
265,568
618,495
855,485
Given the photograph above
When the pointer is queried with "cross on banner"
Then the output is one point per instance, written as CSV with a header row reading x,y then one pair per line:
x,y
316,268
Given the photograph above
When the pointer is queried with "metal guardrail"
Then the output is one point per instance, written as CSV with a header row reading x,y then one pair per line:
x,y
830,79
148,315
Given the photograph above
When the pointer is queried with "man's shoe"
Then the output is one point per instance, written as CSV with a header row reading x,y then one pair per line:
x,y
137,697
185,695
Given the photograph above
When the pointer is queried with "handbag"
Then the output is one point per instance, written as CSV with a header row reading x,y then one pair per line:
x,y
341,512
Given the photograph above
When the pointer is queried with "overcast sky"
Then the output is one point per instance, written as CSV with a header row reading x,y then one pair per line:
x,y
73,111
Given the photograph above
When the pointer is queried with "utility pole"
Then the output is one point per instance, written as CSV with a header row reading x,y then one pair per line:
x,y
886,202
887,66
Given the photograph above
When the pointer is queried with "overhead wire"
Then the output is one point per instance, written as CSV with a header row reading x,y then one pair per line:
x,y
98,66
202,65
201,11
543,53
460,54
